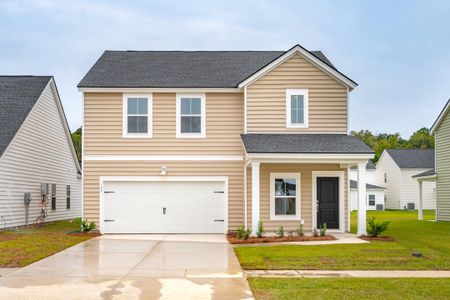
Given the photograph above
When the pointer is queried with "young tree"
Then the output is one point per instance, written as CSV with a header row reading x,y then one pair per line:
x,y
76,139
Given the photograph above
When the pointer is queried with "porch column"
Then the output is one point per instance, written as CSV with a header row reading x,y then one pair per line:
x,y
361,230
255,197
420,200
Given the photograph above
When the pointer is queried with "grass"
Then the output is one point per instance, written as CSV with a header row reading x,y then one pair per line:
x,y
23,247
350,288
432,239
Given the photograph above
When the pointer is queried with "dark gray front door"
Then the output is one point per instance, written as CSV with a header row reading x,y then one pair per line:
x,y
328,202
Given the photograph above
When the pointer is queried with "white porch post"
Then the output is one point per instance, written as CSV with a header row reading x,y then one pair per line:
x,y
361,230
255,197
420,200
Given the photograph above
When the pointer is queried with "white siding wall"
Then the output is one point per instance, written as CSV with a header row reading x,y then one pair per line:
x,y
392,192
370,175
410,190
379,198
39,153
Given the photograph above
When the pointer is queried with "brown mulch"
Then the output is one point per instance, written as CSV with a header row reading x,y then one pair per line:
x,y
378,238
89,234
232,239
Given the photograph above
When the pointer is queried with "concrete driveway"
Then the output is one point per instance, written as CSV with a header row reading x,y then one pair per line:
x,y
134,267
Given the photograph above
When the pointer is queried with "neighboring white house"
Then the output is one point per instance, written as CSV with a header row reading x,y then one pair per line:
x,y
394,171
370,173
35,150
375,196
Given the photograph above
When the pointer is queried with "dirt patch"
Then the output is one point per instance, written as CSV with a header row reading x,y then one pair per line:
x,y
273,239
9,236
377,238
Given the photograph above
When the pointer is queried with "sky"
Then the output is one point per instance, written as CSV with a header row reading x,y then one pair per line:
x,y
397,51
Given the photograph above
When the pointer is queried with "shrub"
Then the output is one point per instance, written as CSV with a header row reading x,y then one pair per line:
x,y
260,231
240,231
246,234
323,229
280,232
300,230
86,226
376,228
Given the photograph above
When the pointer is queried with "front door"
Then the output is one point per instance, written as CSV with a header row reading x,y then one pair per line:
x,y
328,202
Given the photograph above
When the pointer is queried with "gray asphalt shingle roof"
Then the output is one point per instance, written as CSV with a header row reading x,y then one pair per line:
x,y
354,185
179,69
18,94
413,158
426,173
303,143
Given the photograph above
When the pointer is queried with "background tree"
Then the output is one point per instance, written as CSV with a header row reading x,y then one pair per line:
x,y
76,139
421,139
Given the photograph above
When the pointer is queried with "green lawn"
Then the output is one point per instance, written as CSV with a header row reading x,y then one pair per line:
x,y
23,247
350,288
432,239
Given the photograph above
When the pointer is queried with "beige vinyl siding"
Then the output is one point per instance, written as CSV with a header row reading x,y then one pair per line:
x,y
266,99
39,153
305,171
103,126
232,169
443,169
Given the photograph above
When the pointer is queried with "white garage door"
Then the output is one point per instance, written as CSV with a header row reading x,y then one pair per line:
x,y
163,207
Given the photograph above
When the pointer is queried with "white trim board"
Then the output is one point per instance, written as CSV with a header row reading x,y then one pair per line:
x,y
341,175
441,116
102,179
164,157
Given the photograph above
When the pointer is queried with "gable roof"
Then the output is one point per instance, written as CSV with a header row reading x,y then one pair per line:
x,y
413,158
354,185
183,69
441,116
427,173
18,94
304,143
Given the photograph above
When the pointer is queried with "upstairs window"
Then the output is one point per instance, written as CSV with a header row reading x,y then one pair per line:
x,y
191,116
137,110
297,108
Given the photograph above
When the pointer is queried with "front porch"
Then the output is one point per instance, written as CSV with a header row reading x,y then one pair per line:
x,y
310,188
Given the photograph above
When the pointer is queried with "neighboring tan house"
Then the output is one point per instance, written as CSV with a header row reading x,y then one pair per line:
x,y
36,153
375,194
205,141
395,170
441,173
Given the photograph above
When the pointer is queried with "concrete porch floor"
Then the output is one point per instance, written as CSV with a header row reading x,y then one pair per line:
x,y
134,267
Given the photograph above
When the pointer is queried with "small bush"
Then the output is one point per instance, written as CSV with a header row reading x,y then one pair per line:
x,y
240,231
315,232
246,234
323,229
280,232
300,230
376,228
86,226
260,231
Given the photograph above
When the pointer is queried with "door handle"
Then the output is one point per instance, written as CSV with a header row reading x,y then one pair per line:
x,y
108,220
164,210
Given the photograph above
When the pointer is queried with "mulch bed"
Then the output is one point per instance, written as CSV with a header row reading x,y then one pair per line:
x,y
377,238
232,239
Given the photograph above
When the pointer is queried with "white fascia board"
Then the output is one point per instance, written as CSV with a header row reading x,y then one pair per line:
x,y
309,57
159,90
163,158
440,117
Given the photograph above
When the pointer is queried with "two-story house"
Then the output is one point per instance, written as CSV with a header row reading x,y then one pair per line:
x,y
205,141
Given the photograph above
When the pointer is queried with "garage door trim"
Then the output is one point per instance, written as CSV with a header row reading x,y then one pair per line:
x,y
104,179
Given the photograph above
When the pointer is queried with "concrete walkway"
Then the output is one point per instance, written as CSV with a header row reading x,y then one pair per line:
x,y
367,274
341,238
4,271
134,267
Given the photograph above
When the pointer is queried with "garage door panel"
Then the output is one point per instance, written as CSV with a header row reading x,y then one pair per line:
x,y
138,207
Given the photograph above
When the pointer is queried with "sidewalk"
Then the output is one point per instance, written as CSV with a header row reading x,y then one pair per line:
x,y
367,274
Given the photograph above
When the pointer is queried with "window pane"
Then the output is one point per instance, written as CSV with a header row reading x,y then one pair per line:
x,y
294,101
285,206
285,187
300,116
196,124
294,119
297,109
132,106
191,124
142,124
185,106
196,106
142,106
132,124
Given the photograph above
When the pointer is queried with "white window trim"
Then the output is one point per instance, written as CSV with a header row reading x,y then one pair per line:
x,y
202,133
305,93
149,133
297,215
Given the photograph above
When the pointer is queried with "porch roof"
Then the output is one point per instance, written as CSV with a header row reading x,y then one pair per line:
x,y
304,143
